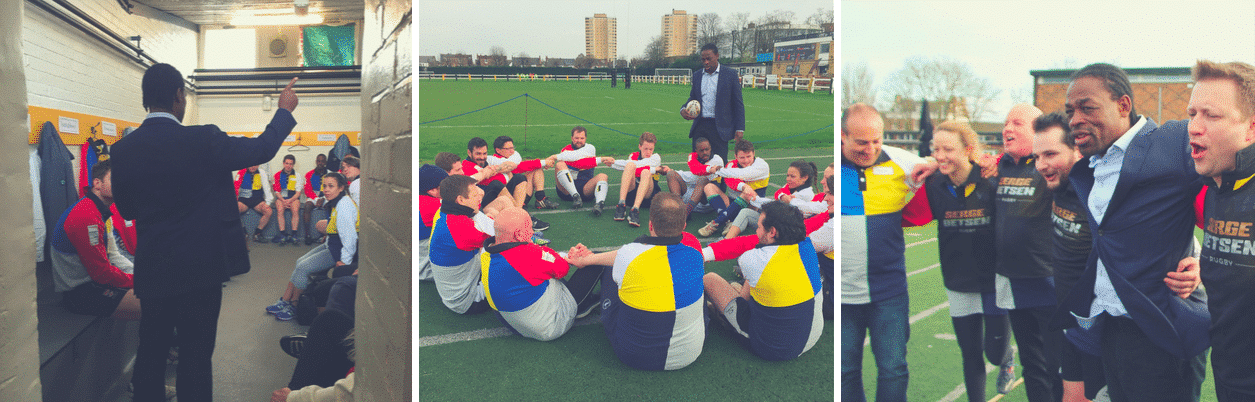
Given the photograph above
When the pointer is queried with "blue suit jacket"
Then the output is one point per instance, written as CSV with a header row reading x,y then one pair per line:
x,y
1145,232
729,109
175,182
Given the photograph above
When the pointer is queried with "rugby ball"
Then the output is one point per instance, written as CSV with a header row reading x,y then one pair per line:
x,y
694,108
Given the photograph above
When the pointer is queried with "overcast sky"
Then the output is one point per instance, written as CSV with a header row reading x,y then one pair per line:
x,y
555,28
1003,41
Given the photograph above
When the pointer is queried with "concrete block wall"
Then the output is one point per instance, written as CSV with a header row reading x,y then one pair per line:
x,y
384,315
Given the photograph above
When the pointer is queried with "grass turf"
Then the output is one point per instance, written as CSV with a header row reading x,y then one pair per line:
x,y
932,353
581,365
614,118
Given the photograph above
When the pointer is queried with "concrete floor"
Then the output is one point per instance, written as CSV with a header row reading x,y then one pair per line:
x,y
248,364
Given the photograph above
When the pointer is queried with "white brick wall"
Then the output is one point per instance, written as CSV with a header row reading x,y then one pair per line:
x,y
314,113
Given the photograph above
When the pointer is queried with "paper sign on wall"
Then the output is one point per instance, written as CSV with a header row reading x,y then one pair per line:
x,y
326,137
67,125
290,138
109,129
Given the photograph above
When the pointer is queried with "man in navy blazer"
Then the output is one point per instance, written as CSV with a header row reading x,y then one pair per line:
x,y
175,182
1138,182
722,118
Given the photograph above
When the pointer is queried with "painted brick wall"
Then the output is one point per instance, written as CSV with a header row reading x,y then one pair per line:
x,y
314,113
384,301
1159,101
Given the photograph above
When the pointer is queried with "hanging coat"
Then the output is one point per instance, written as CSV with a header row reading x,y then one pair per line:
x,y
57,188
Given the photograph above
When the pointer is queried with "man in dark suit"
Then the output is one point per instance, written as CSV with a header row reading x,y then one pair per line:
x,y
1138,184
175,182
722,117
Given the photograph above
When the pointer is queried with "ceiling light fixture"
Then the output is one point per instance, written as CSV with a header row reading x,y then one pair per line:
x,y
274,18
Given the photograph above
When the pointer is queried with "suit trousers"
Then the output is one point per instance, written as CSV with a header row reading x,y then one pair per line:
x,y
194,315
324,359
1138,370
1040,350
705,127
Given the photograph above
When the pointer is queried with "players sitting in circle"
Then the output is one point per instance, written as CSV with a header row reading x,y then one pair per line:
x,y
651,305
746,180
288,186
523,281
429,177
574,173
339,249
640,179
688,183
798,191
533,170
253,192
496,184
778,311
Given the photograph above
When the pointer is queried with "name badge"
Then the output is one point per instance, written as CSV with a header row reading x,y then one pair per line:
x,y
882,170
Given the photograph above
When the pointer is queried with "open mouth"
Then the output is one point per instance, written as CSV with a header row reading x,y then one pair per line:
x,y
1197,151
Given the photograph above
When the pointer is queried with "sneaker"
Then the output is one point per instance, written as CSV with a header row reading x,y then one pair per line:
x,y
587,307
577,201
293,344
726,229
539,239
275,308
1006,377
538,224
257,238
546,204
634,218
709,229
703,208
278,239
287,313
170,391
620,212
309,240
598,207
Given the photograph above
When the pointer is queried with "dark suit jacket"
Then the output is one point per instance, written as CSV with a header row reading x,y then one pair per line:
x,y
175,182
729,109
1145,232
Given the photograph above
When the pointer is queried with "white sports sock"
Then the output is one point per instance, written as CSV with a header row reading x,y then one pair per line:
x,y
601,190
564,180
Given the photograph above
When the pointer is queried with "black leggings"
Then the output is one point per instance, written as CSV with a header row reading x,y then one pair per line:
x,y
584,281
324,359
997,349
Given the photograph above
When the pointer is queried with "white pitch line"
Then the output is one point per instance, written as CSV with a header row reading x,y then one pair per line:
x,y
921,242
601,124
922,270
478,334
921,315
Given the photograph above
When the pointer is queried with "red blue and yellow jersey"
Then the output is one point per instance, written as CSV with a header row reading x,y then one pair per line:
x,y
874,207
653,313
786,316
515,275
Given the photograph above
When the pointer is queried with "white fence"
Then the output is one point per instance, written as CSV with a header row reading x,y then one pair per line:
x,y
770,82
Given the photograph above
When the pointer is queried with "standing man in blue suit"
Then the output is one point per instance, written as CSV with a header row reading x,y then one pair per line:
x,y
175,182
1138,184
722,118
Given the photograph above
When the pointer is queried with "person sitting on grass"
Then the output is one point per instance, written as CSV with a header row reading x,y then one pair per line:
x,y
288,186
429,177
640,179
339,249
651,303
253,192
456,243
798,191
745,178
778,311
497,185
533,170
523,281
91,276
688,183
573,172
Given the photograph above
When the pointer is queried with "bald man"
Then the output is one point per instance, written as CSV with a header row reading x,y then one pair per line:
x,y
1023,274
875,187
523,281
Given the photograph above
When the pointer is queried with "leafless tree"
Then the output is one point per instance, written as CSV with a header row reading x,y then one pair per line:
x,y
709,30
739,37
823,16
950,86
856,85
498,56
655,51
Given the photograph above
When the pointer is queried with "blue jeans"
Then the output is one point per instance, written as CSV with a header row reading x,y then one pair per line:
x,y
887,322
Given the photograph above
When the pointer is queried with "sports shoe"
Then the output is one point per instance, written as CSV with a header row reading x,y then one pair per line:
x,y
538,224
258,238
275,308
577,201
620,212
545,203
709,229
703,208
309,240
293,344
726,229
539,239
634,218
287,313
278,239
1006,376
587,307
598,207
170,391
